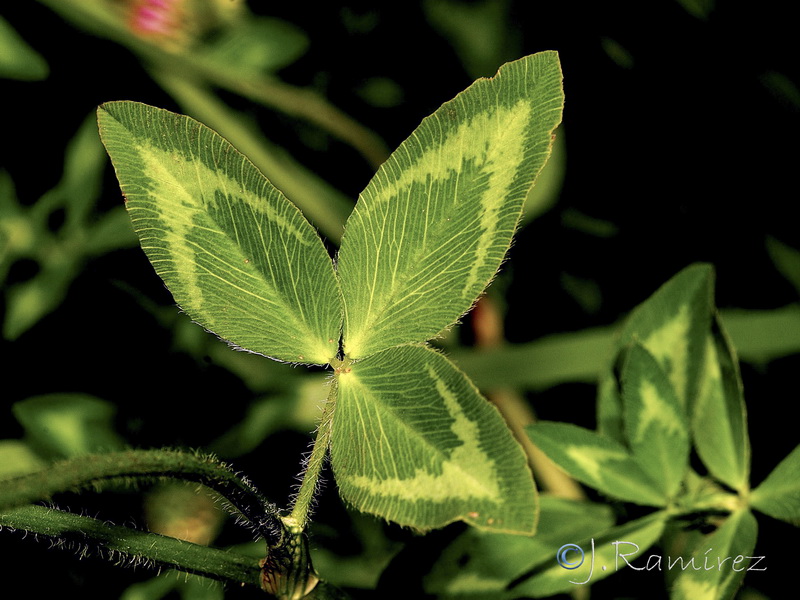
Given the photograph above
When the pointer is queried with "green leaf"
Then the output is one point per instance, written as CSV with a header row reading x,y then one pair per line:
x,y
256,46
324,206
16,234
719,418
760,336
415,443
613,550
575,356
17,458
111,231
672,325
30,300
17,59
596,460
238,257
66,425
786,260
610,414
429,232
381,92
481,564
718,565
479,32
779,494
81,183
656,426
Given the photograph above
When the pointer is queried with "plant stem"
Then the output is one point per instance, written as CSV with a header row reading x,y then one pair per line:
x,y
305,495
74,532
95,469
268,91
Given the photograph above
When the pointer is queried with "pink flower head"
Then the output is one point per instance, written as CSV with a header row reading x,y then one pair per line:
x,y
160,18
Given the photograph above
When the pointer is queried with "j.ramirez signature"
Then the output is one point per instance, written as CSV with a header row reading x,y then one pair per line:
x,y
571,556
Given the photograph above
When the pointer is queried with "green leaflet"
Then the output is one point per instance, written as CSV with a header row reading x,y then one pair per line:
x,y
17,59
237,256
609,406
17,458
597,461
779,494
760,336
716,568
672,325
677,327
719,418
66,425
542,363
786,260
252,47
432,227
414,442
656,426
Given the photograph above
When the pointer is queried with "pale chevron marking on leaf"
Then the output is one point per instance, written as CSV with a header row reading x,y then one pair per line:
x,y
591,458
669,344
449,154
408,409
155,159
467,472
239,257
448,159
623,479
175,196
656,411
442,210
506,158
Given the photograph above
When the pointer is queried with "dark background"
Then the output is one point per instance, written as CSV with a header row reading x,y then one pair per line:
x,y
688,150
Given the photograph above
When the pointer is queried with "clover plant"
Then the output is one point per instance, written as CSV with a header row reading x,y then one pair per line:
x,y
409,436
672,386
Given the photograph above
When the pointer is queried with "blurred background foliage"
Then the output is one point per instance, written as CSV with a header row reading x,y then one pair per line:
x,y
679,144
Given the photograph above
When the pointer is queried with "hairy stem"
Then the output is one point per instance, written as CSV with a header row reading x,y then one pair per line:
x,y
95,469
316,461
81,534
